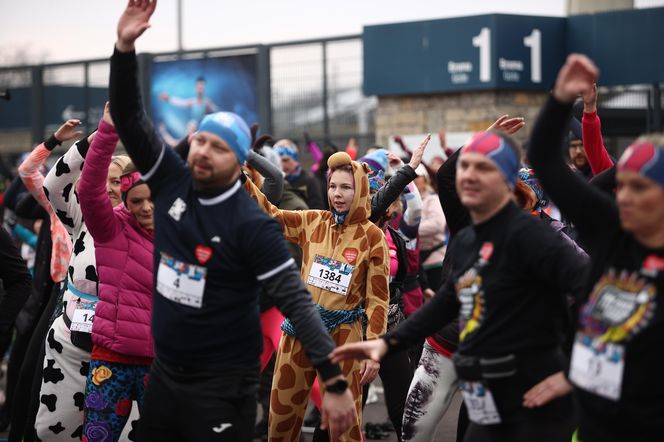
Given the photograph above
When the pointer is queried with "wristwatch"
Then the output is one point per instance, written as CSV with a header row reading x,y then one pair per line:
x,y
338,387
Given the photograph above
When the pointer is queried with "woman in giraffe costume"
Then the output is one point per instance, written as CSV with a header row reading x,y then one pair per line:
x,y
345,266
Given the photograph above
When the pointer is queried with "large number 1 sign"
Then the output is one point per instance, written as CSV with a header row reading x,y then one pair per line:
x,y
532,41
483,41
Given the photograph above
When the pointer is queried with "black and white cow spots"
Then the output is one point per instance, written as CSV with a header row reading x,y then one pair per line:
x,y
79,245
85,368
91,273
61,168
52,342
66,219
79,400
52,374
57,428
49,400
67,191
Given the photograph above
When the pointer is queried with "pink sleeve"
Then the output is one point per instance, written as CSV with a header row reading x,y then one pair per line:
x,y
34,182
593,144
315,152
95,204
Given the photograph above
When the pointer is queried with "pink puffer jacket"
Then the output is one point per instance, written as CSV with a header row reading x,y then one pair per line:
x,y
123,251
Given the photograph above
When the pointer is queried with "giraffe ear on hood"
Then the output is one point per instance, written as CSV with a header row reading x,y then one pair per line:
x,y
366,167
339,159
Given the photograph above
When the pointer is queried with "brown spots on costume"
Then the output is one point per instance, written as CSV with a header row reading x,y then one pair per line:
x,y
286,378
377,321
317,234
286,424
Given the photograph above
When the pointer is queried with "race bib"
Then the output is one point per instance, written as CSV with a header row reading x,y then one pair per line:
x,y
598,372
83,317
479,403
181,282
330,274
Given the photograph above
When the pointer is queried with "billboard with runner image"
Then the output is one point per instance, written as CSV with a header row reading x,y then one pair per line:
x,y
182,92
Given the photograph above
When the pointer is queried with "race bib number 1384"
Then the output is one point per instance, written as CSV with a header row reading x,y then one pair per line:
x,y
330,274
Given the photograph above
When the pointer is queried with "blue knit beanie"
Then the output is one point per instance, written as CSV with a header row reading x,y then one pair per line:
x,y
232,129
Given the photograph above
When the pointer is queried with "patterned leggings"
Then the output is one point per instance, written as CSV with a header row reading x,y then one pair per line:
x,y
109,392
431,392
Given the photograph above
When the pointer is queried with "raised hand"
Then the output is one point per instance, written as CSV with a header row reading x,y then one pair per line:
x,y
107,114
402,144
68,130
257,143
508,125
577,75
394,161
416,158
589,97
442,138
133,22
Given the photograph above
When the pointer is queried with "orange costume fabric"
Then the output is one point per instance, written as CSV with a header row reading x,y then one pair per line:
x,y
357,242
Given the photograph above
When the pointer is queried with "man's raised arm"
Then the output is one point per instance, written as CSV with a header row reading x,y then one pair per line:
x,y
131,122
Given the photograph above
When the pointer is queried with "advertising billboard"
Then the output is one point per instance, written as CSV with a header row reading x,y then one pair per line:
x,y
182,92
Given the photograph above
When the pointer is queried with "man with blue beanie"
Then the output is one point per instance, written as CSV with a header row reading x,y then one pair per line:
x,y
214,250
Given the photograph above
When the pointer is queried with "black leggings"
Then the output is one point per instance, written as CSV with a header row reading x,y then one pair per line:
x,y
395,375
538,430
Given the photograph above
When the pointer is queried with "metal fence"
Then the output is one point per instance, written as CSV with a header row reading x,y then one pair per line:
x,y
312,86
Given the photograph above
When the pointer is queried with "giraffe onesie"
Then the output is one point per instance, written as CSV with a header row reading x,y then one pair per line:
x,y
356,242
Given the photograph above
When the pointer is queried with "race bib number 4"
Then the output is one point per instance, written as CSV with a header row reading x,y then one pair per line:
x,y
83,317
330,274
181,282
598,372
479,403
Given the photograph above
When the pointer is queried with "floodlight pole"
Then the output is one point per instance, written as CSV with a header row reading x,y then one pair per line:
x,y
179,14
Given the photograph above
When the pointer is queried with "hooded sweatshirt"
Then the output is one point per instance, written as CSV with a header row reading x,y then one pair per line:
x,y
356,242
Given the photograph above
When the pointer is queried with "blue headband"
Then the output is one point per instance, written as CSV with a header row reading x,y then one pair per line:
x,y
285,151
232,129
496,149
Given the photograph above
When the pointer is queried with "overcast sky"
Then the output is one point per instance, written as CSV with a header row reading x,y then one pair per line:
x,y
75,29
57,30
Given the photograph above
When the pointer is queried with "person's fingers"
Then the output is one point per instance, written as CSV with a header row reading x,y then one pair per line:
x,y
142,28
323,418
153,6
78,133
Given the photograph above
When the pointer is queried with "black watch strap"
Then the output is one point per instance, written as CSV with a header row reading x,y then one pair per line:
x,y
338,387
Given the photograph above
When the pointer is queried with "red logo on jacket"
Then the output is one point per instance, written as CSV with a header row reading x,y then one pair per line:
x,y
653,264
350,255
203,254
486,251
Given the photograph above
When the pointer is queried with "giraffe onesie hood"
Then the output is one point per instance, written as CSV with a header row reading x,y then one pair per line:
x,y
356,242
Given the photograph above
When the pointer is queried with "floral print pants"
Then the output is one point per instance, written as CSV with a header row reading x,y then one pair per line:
x,y
109,392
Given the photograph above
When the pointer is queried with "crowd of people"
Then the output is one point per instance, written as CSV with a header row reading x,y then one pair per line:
x,y
165,294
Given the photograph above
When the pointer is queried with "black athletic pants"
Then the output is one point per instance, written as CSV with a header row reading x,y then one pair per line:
x,y
191,405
